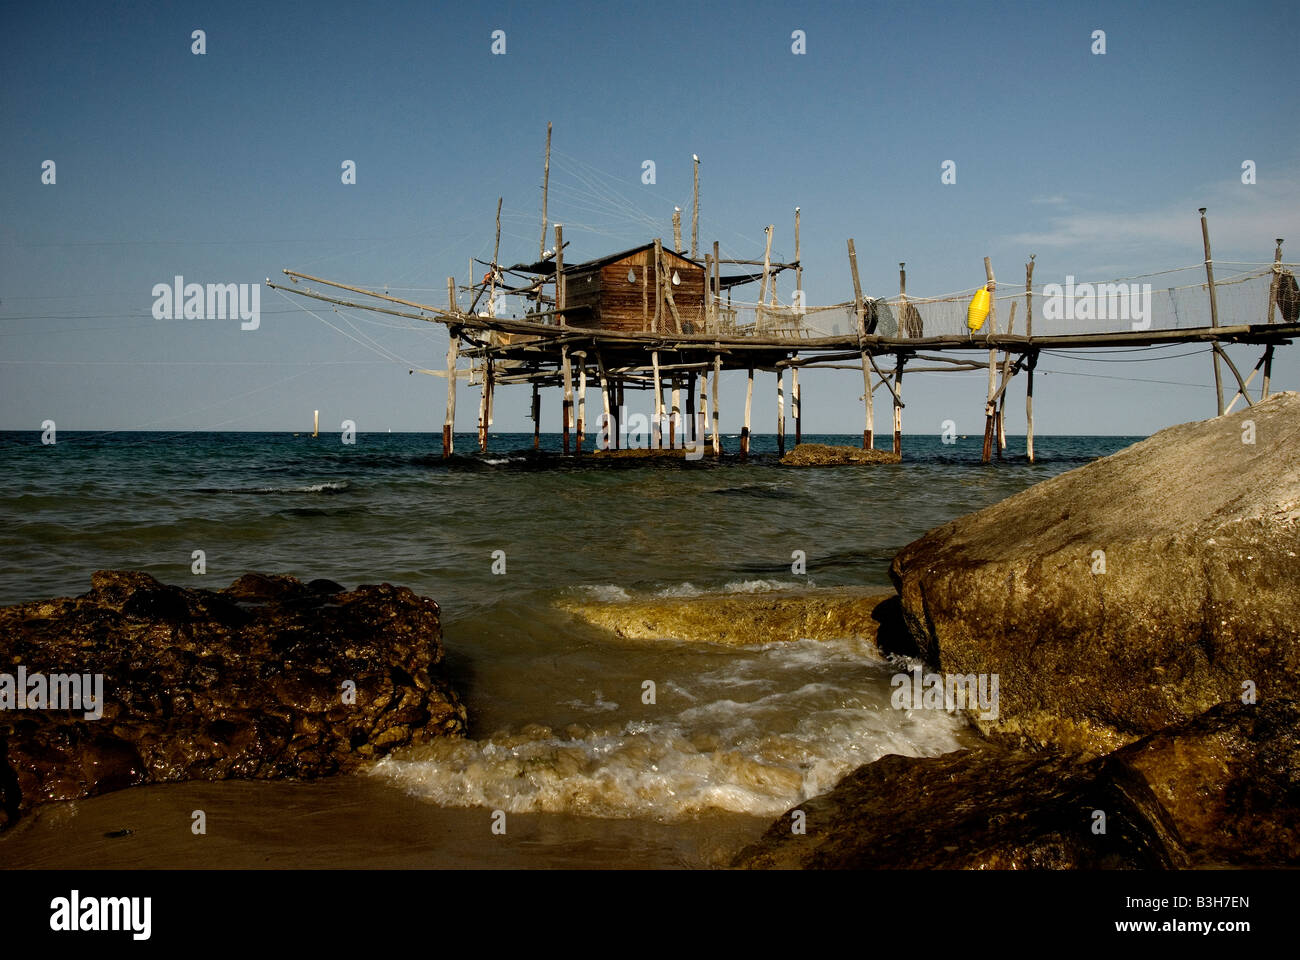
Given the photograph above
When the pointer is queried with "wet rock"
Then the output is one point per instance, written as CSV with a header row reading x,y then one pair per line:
x,y
985,809
1128,595
1221,789
247,682
738,618
823,455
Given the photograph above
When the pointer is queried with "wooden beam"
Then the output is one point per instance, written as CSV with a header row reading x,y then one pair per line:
x,y
1258,364
1029,407
858,306
604,397
656,432
1277,276
798,259
1235,372
767,266
990,409
677,229
582,399
1007,373
537,418
898,404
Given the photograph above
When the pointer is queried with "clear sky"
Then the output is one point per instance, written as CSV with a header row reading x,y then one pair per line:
x,y
226,167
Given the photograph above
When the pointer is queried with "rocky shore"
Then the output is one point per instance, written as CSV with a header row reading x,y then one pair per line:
x,y
269,678
1140,614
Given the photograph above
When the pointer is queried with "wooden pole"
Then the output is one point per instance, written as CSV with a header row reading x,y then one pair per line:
x,y
902,298
453,347
1214,309
717,283
1268,370
668,296
1033,359
767,266
559,274
604,396
898,405
749,402
483,405
858,305
659,254
796,406
717,377
869,432
618,415
537,418
702,414
546,183
567,404
566,367
990,410
496,252
1029,407
675,412
582,397
780,412
1277,276
695,213
1002,391
677,229
657,431
689,424
798,270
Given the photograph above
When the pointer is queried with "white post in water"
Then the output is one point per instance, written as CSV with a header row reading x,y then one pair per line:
x,y
315,423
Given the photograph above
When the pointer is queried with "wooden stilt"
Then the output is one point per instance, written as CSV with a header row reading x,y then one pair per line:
x,y
796,404
604,398
869,431
749,403
675,413
656,431
717,377
677,229
898,405
1268,370
453,348
1214,309
659,286
485,392
1029,407
859,306
990,409
798,261
618,416
582,398
717,284
537,418
1002,389
700,425
780,412
689,424
1033,358
567,405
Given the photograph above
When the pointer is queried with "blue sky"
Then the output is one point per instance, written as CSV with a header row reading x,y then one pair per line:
x,y
225,167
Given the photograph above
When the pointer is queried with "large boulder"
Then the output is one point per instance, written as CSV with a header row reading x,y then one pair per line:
x,y
267,678
1222,789
1130,594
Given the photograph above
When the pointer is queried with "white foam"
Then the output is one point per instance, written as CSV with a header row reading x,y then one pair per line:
x,y
761,734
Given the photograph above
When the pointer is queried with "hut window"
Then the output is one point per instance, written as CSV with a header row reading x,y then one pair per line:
x,y
631,275
677,281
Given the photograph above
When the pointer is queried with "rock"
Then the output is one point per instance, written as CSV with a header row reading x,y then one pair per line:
x,y
1222,789
984,809
738,618
246,682
1230,781
1197,529
822,455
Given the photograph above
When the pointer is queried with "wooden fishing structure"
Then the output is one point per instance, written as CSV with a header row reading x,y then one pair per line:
x,y
659,318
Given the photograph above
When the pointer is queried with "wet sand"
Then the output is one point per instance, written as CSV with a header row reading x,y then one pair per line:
x,y
350,822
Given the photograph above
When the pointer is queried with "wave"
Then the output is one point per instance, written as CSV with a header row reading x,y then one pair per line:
x,y
328,487
757,737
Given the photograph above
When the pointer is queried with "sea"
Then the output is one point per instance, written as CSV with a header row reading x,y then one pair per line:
x,y
564,744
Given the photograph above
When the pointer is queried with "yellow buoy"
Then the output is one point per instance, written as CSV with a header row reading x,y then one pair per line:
x,y
978,311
